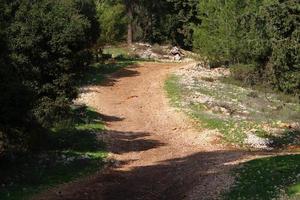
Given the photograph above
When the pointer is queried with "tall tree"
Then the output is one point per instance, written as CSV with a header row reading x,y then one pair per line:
x,y
15,97
113,21
129,9
261,37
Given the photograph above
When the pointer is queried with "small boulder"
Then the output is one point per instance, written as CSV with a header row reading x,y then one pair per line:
x,y
177,57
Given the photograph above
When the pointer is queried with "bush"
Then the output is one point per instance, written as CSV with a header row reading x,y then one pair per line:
x,y
87,8
284,33
113,20
245,73
43,47
46,38
15,100
261,33
156,48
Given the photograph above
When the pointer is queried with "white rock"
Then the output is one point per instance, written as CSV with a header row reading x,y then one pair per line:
x,y
257,142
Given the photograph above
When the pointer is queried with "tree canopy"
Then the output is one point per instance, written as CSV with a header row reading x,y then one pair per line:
x,y
263,34
43,49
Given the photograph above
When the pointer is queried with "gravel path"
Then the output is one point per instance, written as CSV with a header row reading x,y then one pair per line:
x,y
158,152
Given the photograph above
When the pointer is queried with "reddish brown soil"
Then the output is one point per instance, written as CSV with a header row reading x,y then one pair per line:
x,y
159,154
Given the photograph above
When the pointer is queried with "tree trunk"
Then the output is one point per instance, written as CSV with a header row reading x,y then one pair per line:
x,y
129,27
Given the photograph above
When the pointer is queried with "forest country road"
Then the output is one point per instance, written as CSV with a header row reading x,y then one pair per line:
x,y
159,152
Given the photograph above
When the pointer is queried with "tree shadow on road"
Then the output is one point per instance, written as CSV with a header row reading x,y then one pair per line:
x,y
112,79
173,179
107,73
125,142
167,180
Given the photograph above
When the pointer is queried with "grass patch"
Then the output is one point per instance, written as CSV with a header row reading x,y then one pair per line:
x,y
173,89
267,178
116,51
265,104
261,179
236,112
294,190
233,131
70,152
263,88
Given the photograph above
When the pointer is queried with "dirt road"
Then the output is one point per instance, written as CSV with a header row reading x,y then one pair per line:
x,y
159,153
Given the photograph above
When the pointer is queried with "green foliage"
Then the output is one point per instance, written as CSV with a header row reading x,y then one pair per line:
x,y
43,48
266,178
158,21
113,20
68,154
283,29
261,33
174,90
245,73
87,8
15,98
45,39
213,36
165,21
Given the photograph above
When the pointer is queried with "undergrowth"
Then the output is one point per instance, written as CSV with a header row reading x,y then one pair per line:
x,y
267,178
233,131
70,152
261,179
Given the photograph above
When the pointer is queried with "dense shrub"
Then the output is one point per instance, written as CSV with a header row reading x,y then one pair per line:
x,y
213,38
283,29
15,97
88,9
166,21
112,17
246,74
43,47
46,38
261,33
156,21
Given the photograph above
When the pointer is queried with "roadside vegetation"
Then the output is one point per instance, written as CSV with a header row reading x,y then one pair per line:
x,y
267,178
247,86
70,149
258,40
246,118
69,152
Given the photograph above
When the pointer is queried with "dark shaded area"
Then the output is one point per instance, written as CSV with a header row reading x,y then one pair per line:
x,y
170,179
285,140
26,175
263,178
173,179
98,73
166,180
82,134
75,140
125,142
125,72
68,153
84,115
107,118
